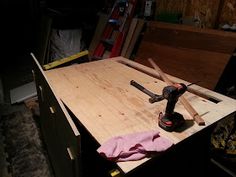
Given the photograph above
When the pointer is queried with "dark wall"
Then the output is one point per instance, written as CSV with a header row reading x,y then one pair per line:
x,y
18,22
21,22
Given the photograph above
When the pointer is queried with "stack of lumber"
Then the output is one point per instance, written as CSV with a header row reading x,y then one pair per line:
x,y
135,28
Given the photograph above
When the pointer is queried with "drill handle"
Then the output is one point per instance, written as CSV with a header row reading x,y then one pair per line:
x,y
170,106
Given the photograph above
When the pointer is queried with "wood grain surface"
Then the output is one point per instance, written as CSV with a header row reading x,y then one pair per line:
x,y
100,95
190,37
186,52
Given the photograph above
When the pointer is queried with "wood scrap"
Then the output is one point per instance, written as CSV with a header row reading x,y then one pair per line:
x,y
186,104
134,39
129,36
103,18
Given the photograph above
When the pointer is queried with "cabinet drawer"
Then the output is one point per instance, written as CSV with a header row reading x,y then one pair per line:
x,y
60,134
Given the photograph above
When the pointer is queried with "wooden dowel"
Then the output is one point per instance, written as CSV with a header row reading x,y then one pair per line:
x,y
160,72
197,118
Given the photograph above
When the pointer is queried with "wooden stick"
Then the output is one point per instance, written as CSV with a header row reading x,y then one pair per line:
x,y
197,118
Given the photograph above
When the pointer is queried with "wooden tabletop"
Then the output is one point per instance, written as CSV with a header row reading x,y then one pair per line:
x,y
100,95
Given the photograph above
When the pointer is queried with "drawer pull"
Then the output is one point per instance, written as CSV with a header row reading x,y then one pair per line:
x,y
33,74
71,154
52,110
41,92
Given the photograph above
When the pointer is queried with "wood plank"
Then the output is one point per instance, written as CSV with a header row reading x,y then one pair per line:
x,y
60,133
189,37
207,49
129,36
103,18
163,25
189,64
100,92
183,101
134,39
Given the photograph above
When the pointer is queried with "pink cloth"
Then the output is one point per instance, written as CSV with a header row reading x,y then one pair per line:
x,y
133,146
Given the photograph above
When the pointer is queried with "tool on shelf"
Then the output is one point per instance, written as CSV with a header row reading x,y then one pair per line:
x,y
197,118
115,30
171,120
65,60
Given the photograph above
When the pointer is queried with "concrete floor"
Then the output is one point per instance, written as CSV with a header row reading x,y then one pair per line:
x,y
8,80
11,77
3,163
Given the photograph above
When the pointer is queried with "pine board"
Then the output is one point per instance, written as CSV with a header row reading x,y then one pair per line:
x,y
99,94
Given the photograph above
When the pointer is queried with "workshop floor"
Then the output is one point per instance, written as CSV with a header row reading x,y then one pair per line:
x,y
22,152
14,76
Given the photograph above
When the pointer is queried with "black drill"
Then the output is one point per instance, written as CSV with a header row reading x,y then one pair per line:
x,y
170,120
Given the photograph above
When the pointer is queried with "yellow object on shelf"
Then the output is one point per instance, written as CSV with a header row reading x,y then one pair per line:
x,y
65,60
